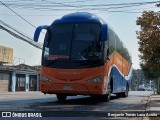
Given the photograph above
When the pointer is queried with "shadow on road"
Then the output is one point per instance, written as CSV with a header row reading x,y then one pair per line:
x,y
81,100
73,103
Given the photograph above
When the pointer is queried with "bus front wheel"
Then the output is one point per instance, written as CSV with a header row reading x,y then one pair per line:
x,y
106,97
61,97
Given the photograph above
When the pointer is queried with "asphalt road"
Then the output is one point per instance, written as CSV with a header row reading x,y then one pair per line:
x,y
75,106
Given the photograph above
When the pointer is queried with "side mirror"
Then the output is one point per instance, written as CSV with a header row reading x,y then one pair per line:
x,y
38,31
104,32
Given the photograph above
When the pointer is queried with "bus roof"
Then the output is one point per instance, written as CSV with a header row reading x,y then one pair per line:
x,y
80,17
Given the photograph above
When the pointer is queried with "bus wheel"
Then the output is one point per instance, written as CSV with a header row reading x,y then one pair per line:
x,y
106,97
125,94
118,95
61,97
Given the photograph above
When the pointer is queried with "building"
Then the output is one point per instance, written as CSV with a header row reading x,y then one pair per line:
x,y
16,77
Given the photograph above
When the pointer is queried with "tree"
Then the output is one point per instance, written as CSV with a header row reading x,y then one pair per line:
x,y
149,73
149,42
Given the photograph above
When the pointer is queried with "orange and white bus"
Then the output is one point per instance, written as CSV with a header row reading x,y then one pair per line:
x,y
82,55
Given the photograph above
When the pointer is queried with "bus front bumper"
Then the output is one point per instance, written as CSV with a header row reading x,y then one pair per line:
x,y
73,89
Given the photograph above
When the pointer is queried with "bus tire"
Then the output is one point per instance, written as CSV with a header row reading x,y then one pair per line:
x,y
61,97
125,94
106,97
118,95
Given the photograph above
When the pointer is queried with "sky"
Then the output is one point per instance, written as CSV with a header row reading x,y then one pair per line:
x,y
44,12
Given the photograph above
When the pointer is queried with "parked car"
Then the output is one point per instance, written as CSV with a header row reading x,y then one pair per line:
x,y
142,89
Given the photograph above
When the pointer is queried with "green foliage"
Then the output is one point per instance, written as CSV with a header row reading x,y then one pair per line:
x,y
149,73
149,42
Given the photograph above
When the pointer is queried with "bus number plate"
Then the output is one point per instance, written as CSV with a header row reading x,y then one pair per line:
x,y
67,87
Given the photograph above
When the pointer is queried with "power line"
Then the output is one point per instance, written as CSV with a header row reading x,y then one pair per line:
x,y
19,37
73,6
14,32
17,14
51,15
59,4
63,4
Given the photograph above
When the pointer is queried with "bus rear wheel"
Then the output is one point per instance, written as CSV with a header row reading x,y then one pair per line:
x,y
118,95
125,94
61,97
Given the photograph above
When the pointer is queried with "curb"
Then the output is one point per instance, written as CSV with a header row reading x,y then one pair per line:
x,y
153,106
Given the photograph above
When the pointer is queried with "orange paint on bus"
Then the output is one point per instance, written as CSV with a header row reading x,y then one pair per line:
x,y
122,64
76,79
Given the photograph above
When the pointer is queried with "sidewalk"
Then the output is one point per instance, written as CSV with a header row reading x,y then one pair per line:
x,y
153,106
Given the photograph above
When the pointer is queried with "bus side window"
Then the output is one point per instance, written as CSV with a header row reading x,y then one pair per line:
x,y
112,45
106,51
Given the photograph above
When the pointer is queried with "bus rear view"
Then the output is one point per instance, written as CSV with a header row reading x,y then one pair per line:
x,y
75,57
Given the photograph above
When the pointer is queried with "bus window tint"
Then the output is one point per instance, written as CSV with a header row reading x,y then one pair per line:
x,y
112,44
119,45
115,44
86,43
61,39
73,43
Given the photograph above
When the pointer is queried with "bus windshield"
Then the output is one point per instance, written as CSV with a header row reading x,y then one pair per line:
x,y
72,45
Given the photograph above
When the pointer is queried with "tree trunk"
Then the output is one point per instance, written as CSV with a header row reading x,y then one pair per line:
x,y
158,86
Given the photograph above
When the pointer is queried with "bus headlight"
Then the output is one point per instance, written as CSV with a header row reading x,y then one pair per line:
x,y
96,80
43,78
